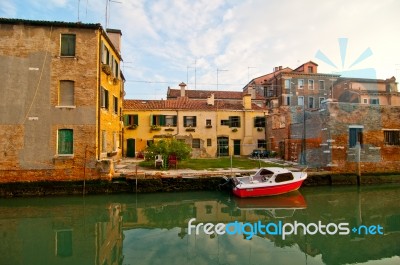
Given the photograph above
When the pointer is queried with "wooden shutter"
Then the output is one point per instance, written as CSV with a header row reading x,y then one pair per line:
x,y
65,141
162,120
136,119
126,120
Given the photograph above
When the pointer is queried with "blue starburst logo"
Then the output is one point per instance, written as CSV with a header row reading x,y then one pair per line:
x,y
349,71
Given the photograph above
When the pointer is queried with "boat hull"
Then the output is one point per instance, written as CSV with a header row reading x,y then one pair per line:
x,y
267,190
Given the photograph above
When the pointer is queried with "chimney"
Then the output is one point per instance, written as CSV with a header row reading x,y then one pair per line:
x,y
183,86
252,92
276,68
115,36
210,100
247,101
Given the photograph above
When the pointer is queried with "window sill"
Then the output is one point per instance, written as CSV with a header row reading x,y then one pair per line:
x,y
65,107
68,56
64,156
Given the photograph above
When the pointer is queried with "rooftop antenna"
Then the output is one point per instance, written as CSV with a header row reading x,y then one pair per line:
x,y
79,3
108,2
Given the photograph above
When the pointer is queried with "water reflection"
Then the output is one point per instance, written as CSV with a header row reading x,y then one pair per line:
x,y
152,228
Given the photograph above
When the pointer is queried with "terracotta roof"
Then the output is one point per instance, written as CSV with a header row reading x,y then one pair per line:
x,y
183,103
204,94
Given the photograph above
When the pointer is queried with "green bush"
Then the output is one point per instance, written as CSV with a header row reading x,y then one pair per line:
x,y
168,147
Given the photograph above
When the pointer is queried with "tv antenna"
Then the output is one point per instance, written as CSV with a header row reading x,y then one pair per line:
x,y
108,2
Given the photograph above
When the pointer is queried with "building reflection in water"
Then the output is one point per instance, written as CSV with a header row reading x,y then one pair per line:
x,y
152,228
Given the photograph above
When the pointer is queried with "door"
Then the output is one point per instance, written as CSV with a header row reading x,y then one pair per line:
x,y
236,147
223,146
130,148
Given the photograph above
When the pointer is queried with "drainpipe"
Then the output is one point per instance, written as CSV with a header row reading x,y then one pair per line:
x,y
99,97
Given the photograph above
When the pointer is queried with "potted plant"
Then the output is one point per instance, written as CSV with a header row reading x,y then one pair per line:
x,y
190,129
155,128
259,129
234,129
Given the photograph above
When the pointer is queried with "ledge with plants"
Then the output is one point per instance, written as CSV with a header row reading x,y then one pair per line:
x,y
155,128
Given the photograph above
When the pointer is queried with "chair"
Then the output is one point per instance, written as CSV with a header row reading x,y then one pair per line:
x,y
172,161
159,162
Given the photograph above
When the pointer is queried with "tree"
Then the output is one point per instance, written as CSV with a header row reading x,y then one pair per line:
x,y
168,147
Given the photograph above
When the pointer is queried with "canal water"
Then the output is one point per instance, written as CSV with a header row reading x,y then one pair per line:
x,y
335,225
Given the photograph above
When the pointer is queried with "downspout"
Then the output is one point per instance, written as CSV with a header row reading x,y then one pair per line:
x,y
99,96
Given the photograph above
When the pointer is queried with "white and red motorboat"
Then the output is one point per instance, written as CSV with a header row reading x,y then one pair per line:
x,y
267,182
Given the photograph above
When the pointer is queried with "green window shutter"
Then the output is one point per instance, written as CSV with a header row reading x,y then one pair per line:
x,y
194,121
136,119
151,120
67,45
126,120
175,121
162,120
184,121
65,141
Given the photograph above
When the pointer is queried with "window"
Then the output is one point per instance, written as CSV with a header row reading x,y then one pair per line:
x,y
104,141
301,83
115,69
163,120
132,119
392,137
234,121
286,100
66,93
259,122
115,141
115,99
284,177
310,69
374,101
311,102
65,142
300,101
287,83
104,98
208,122
104,54
196,143
355,136
365,100
64,243
189,121
208,142
261,143
170,120
321,84
320,101
68,44
310,84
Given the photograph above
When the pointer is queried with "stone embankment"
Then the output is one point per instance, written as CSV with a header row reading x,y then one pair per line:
x,y
129,178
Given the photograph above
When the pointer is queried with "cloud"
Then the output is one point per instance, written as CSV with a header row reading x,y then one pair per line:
x,y
8,9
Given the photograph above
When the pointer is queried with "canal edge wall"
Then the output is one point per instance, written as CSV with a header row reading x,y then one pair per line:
x,y
158,183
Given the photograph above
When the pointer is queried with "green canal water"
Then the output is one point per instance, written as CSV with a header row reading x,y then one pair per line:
x,y
153,228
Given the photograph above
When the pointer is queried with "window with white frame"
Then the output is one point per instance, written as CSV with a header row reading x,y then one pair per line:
x,y
287,83
321,99
104,98
310,84
365,101
286,100
301,83
321,84
300,101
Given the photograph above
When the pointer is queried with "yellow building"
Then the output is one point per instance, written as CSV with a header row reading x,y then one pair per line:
x,y
211,127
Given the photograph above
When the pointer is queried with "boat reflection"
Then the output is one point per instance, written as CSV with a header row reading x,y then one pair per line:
x,y
279,206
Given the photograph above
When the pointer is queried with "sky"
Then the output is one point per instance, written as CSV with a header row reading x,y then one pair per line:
x,y
223,44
